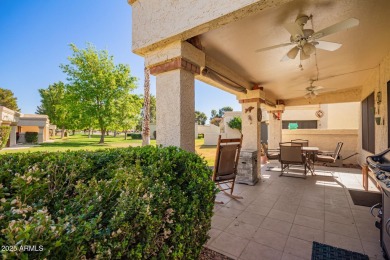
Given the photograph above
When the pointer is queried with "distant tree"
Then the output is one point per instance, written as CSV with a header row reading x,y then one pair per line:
x,y
96,83
54,105
216,118
128,112
152,109
200,118
235,123
8,100
146,112
222,111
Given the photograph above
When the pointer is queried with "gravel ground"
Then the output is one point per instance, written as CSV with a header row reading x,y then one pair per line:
x,y
208,254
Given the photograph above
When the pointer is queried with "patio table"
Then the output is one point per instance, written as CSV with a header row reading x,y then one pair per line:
x,y
310,152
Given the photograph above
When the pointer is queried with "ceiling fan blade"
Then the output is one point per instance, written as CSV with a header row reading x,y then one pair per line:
x,y
274,47
285,58
341,26
294,29
328,46
316,88
304,56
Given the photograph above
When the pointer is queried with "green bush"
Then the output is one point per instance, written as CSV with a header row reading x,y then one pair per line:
x,y
31,137
235,123
5,130
135,136
133,203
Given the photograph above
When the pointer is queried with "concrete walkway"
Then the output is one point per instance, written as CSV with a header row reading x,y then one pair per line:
x,y
280,217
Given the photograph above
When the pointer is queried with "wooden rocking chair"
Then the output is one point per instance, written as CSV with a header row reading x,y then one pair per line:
x,y
225,167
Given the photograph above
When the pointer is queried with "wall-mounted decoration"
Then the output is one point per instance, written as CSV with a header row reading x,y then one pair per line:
x,y
259,115
250,119
249,109
319,113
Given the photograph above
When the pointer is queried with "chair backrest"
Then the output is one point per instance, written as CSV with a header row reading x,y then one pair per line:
x,y
337,151
291,152
227,156
304,142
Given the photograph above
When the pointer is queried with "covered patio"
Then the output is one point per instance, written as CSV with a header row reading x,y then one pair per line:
x,y
225,44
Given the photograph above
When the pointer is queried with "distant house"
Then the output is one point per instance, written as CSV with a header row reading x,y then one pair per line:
x,y
22,123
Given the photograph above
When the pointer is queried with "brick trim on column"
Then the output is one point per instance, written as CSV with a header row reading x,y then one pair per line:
x,y
251,100
177,63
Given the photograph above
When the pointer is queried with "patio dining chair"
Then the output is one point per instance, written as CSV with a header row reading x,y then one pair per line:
x,y
272,154
326,157
225,166
304,142
291,154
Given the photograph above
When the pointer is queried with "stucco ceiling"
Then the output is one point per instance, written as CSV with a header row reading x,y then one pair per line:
x,y
363,47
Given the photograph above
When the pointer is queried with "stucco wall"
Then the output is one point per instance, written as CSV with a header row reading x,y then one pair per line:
x,y
29,129
156,24
344,115
327,139
377,82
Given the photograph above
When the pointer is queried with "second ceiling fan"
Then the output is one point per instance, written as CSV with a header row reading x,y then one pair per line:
x,y
306,40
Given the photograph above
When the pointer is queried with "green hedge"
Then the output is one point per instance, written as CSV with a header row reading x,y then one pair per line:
x,y
133,203
5,130
31,137
135,136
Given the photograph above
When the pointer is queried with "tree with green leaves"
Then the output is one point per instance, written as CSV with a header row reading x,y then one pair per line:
x,y
216,118
8,99
55,105
200,118
95,83
129,107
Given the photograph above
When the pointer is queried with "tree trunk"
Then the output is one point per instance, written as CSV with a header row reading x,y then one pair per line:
x,y
103,132
115,133
73,132
89,133
108,132
62,132
125,135
146,130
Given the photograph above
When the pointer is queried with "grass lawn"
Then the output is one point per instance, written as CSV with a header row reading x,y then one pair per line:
x,y
82,142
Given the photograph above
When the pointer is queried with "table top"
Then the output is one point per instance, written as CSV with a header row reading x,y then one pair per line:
x,y
310,148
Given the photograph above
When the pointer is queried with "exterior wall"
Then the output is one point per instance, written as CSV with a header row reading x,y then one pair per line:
x,y
326,140
156,24
344,115
29,129
203,129
377,82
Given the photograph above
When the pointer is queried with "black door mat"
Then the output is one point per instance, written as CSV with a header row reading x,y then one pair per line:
x,y
326,252
365,198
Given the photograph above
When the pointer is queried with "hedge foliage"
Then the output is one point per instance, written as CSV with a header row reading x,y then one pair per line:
x,y
129,203
31,137
5,130
235,123
135,136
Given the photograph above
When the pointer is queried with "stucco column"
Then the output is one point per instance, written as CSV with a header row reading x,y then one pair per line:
x,y
12,136
40,135
249,166
175,107
275,126
175,67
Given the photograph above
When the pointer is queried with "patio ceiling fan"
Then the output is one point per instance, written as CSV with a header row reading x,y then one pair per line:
x,y
306,40
312,91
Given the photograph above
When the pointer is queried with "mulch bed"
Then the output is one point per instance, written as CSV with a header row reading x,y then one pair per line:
x,y
208,254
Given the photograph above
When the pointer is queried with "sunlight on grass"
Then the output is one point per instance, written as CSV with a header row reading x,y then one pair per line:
x,y
82,142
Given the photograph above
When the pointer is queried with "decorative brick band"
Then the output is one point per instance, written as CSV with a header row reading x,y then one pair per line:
x,y
251,100
177,63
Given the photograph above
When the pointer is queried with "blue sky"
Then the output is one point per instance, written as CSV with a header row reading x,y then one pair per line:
x,y
35,37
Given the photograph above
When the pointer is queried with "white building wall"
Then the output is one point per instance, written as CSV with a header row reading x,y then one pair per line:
x,y
343,115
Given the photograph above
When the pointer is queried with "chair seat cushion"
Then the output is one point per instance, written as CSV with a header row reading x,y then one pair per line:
x,y
273,156
324,158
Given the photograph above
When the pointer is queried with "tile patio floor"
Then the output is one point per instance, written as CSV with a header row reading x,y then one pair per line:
x,y
280,217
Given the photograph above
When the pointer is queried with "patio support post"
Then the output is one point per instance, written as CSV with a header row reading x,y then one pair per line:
x,y
12,136
175,68
249,166
275,127
40,135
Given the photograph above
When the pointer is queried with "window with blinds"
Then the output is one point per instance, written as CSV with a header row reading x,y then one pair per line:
x,y
368,123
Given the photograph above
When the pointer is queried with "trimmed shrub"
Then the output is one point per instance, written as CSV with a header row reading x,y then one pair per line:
x,y
135,136
133,203
5,130
31,137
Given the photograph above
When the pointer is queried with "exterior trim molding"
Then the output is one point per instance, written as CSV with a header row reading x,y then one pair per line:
x,y
174,64
249,100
